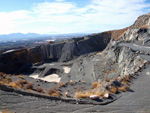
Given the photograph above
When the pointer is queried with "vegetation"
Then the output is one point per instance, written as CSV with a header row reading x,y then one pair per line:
x,y
5,111
13,84
124,88
61,85
94,85
80,92
29,85
88,93
107,80
21,77
39,89
53,92
21,83
113,89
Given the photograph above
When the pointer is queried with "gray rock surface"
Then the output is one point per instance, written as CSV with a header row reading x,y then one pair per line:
x,y
69,51
129,102
11,61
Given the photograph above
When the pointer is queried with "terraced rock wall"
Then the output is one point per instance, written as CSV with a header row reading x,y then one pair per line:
x,y
12,61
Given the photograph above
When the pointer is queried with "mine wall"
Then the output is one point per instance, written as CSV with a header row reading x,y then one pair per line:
x,y
12,61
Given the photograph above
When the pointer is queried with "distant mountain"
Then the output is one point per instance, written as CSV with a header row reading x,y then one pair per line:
x,y
28,36
19,36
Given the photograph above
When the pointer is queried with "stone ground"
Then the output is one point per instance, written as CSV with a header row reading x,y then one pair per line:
x,y
135,102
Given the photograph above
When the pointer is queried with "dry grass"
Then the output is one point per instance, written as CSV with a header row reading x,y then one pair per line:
x,y
99,93
53,92
113,89
70,82
55,82
124,88
88,93
67,94
131,76
6,80
126,80
39,89
21,83
61,85
107,91
145,26
107,80
83,82
13,84
116,34
6,111
31,90
2,75
9,79
75,81
3,79
75,88
94,85
21,76
81,94
82,86
29,85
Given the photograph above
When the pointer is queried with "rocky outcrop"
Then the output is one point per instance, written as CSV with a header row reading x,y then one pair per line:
x,y
143,20
124,55
129,53
11,61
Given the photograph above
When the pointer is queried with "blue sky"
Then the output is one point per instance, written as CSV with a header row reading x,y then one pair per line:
x,y
68,16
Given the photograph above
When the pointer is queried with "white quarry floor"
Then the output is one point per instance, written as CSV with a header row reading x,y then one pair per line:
x,y
66,69
49,78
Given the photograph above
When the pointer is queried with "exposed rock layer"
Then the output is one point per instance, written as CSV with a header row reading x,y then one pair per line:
x,y
17,60
12,61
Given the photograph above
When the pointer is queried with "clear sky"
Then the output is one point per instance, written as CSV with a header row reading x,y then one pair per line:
x,y
68,16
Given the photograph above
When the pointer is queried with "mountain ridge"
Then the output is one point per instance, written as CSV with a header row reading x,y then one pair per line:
x,y
20,36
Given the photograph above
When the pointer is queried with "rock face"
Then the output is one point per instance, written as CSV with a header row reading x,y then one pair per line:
x,y
16,60
123,56
12,61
